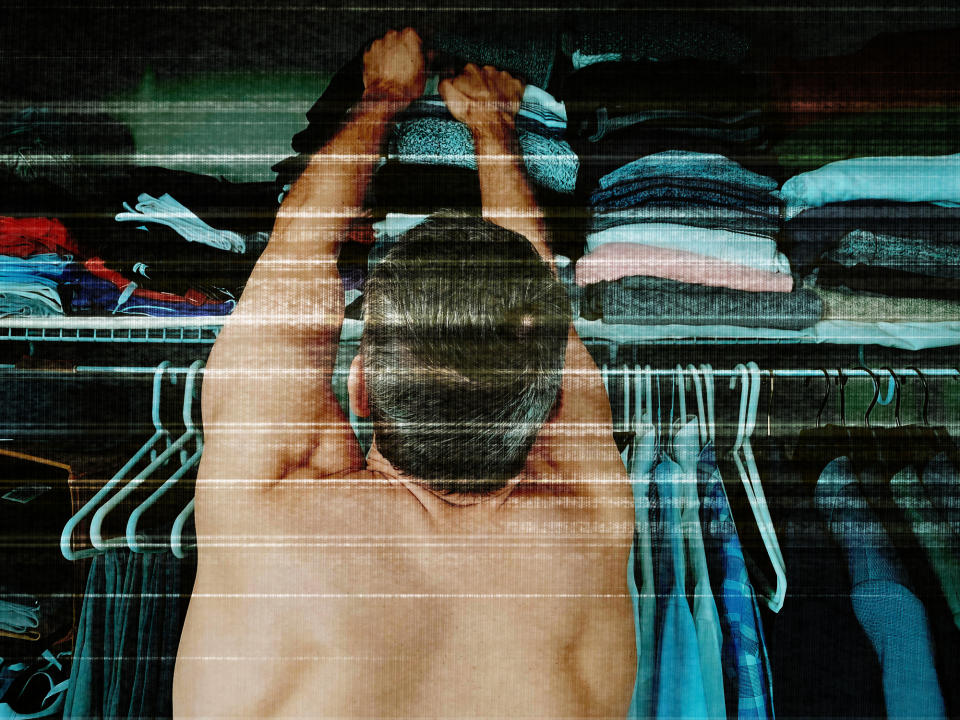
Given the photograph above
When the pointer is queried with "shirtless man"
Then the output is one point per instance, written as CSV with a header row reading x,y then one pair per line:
x,y
471,567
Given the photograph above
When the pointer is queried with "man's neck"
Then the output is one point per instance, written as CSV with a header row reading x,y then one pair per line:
x,y
431,499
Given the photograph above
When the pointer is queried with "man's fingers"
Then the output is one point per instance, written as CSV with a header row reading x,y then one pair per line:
x,y
449,92
410,36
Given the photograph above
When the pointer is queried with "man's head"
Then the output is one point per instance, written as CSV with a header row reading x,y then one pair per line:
x,y
462,352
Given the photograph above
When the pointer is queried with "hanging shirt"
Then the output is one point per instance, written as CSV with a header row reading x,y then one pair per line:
x,y
641,577
686,449
935,535
942,484
888,610
679,685
746,666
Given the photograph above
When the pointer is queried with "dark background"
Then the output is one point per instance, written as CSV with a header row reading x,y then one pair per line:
x,y
67,51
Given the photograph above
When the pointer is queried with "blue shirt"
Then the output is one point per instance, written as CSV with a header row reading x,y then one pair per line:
x,y
744,653
679,684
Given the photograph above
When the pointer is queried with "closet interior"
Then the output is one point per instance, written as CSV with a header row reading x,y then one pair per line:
x,y
755,211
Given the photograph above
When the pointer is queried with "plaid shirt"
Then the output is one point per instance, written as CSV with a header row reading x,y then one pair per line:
x,y
744,655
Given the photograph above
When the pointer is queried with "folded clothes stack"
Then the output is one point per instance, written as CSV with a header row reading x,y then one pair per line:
x,y
161,259
427,134
881,233
620,111
687,238
683,212
35,255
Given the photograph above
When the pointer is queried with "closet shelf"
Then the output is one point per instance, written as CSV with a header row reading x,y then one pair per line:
x,y
204,330
112,329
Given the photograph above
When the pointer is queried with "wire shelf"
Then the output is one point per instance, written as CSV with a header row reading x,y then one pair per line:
x,y
114,331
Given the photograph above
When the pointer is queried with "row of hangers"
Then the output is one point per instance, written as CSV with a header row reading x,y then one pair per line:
x,y
893,445
161,450
638,395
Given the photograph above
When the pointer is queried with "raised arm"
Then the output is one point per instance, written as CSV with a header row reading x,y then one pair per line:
x,y
268,404
487,100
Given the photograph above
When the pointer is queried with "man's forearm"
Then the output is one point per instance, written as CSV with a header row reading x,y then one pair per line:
x,y
505,191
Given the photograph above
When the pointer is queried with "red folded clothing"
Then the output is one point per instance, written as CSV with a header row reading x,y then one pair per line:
x,y
23,237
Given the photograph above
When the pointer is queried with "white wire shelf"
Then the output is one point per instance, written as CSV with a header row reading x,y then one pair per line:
x,y
204,330
111,329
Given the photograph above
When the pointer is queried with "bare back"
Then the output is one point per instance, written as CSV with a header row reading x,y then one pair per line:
x,y
383,605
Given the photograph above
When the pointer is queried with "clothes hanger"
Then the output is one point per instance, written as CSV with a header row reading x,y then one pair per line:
x,y
701,403
96,524
148,448
686,445
133,541
648,392
939,438
626,424
707,372
826,396
643,454
176,534
895,381
750,478
770,538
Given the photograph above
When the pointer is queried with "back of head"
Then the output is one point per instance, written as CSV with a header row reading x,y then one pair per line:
x,y
463,346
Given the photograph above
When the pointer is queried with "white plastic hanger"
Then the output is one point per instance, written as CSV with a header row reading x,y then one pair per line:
x,y
648,393
149,447
176,534
706,371
701,405
132,540
96,524
750,476
773,546
679,382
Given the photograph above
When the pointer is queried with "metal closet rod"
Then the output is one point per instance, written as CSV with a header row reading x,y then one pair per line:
x,y
782,372
800,372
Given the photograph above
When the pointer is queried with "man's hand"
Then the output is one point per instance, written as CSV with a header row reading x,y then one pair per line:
x,y
393,68
483,98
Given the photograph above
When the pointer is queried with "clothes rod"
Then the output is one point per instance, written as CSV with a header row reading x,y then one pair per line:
x,y
796,373
615,369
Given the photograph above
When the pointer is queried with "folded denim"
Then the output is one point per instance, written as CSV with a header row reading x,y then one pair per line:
x,y
748,250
